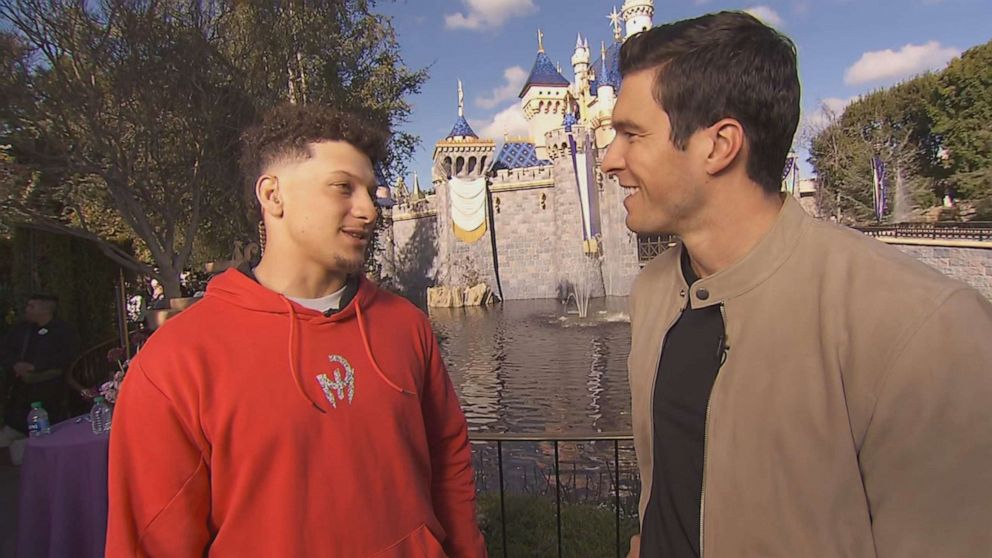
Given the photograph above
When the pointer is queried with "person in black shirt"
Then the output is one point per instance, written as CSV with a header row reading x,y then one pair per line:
x,y
696,152
35,356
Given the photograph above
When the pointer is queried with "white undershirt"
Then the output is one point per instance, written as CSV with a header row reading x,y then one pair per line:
x,y
322,304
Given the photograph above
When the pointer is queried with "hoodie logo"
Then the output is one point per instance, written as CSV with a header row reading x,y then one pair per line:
x,y
340,386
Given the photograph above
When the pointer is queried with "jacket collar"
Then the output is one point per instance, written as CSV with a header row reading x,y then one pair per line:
x,y
759,264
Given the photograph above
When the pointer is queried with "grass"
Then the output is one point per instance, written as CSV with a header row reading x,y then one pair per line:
x,y
588,531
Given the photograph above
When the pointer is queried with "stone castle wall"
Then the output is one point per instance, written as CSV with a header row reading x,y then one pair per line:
x,y
536,216
970,265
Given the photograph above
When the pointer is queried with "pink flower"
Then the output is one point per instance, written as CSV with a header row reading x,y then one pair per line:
x,y
110,389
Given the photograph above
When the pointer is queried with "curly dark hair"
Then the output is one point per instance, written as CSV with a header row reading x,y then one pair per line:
x,y
285,132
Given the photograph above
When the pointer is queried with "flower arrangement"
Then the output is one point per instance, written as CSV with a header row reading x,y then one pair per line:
x,y
118,356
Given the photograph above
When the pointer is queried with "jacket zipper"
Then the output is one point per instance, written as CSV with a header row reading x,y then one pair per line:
x,y
706,425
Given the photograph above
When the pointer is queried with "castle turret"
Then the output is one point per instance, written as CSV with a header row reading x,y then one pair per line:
x,y
461,154
543,98
638,15
580,60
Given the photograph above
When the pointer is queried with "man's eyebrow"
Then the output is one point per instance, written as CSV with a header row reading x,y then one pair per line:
x,y
626,126
336,174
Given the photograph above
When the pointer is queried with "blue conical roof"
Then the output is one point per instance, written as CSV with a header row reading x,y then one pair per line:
x,y
544,73
461,128
608,67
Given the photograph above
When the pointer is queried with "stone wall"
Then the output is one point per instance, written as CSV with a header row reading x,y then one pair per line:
x,y
970,265
414,257
525,233
572,264
620,263
461,264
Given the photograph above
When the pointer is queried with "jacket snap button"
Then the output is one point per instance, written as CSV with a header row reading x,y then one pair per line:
x,y
702,294
682,292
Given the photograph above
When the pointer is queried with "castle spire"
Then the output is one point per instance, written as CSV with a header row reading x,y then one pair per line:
x,y
540,41
461,100
615,20
417,194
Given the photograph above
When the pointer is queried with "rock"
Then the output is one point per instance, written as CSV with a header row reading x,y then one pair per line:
x,y
477,295
438,297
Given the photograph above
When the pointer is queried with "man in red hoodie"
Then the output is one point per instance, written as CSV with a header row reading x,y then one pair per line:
x,y
296,410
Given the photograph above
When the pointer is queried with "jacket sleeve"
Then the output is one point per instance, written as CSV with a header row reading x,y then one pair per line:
x,y
453,482
927,455
159,495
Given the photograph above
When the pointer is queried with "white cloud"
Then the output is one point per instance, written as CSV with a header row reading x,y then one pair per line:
x,y
515,77
483,14
767,15
893,65
827,110
508,121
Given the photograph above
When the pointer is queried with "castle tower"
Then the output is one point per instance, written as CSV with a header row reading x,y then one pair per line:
x,y
460,164
638,14
580,61
461,154
543,98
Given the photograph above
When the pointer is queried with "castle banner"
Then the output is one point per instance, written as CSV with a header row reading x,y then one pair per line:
x,y
468,208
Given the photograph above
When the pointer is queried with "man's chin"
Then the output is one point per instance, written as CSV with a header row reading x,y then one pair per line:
x,y
349,266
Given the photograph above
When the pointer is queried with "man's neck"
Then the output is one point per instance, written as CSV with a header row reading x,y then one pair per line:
x,y
729,229
44,321
297,279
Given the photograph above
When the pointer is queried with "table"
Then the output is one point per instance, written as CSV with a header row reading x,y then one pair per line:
x,y
63,494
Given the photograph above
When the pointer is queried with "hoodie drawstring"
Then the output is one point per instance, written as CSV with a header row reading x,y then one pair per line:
x,y
292,355
365,342
368,351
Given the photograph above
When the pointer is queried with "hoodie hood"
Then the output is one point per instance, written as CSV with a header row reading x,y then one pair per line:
x,y
239,288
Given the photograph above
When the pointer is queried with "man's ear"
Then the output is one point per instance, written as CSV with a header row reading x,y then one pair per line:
x,y
268,194
726,144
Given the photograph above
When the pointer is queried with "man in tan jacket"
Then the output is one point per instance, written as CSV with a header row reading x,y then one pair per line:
x,y
798,388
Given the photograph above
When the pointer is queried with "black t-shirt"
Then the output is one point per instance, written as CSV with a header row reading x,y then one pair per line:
x,y
690,359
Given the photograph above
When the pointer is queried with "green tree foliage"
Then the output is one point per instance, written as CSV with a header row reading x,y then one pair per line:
x,y
962,118
934,134
124,115
893,125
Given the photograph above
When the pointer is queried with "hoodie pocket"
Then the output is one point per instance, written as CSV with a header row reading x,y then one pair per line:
x,y
420,543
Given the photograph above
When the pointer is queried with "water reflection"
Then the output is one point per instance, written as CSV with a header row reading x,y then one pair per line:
x,y
529,367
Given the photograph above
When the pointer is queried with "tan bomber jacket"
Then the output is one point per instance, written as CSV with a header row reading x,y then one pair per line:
x,y
853,414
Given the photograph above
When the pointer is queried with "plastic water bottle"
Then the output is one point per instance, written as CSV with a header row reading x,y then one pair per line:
x,y
38,421
100,416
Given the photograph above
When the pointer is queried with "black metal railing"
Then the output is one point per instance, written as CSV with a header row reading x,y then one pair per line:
x,y
615,439
648,247
974,230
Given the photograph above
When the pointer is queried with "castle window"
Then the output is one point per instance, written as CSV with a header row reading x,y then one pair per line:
x,y
446,165
471,165
459,166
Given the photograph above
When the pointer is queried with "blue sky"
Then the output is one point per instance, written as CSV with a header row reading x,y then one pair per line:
x,y
846,48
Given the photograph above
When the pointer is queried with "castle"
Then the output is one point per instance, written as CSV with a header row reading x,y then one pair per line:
x,y
539,217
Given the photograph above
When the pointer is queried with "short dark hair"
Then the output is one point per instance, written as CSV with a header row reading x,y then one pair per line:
x,y
44,297
286,131
724,65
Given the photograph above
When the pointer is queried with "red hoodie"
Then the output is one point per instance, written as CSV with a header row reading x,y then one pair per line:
x,y
252,426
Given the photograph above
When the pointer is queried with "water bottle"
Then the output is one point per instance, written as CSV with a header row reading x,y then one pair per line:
x,y
100,416
38,421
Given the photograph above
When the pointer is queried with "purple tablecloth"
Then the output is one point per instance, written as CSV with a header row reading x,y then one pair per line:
x,y
63,507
